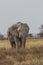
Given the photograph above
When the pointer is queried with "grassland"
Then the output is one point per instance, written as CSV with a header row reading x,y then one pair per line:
x,y
31,55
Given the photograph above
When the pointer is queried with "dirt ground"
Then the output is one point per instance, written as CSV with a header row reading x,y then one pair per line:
x,y
31,55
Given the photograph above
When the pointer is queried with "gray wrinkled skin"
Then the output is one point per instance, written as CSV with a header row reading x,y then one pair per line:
x,y
17,34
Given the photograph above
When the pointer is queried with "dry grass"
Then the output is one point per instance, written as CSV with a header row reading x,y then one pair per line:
x,y
29,43
34,43
31,55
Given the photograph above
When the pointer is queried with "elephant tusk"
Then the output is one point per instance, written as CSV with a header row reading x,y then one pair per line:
x,y
19,28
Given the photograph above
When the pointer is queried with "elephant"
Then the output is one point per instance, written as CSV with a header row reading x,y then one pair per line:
x,y
17,34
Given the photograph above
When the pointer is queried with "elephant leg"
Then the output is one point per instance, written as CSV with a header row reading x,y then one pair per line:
x,y
14,45
20,42
16,42
12,42
23,42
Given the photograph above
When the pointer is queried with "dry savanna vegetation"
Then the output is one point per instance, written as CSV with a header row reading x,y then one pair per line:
x,y
31,55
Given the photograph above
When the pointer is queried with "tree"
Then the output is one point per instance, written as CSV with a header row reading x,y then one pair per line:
x,y
1,37
41,31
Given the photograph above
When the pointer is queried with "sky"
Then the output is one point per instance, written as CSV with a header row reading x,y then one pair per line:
x,y
27,11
